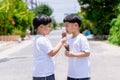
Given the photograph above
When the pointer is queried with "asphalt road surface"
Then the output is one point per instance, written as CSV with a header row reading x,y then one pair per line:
x,y
104,58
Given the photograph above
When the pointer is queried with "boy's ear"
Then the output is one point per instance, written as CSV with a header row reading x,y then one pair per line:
x,y
41,26
76,24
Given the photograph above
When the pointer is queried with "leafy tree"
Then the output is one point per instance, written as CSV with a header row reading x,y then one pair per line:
x,y
54,24
100,13
14,15
61,24
85,22
43,9
5,17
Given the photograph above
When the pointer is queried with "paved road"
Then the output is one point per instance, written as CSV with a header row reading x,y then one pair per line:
x,y
105,59
104,62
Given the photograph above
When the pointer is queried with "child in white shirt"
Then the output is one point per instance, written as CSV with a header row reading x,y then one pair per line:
x,y
79,50
43,51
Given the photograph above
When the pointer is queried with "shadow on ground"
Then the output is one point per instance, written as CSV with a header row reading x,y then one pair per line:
x,y
8,59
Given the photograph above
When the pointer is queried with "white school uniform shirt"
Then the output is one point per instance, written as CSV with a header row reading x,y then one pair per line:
x,y
78,67
43,63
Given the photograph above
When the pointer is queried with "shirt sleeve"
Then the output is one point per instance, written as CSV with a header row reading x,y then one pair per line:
x,y
48,47
84,45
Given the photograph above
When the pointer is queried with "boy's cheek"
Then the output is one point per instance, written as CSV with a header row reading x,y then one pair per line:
x,y
68,29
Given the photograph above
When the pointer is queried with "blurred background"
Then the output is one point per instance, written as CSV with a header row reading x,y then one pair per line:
x,y
100,18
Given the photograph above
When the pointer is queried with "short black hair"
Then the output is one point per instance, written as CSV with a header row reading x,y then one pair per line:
x,y
41,19
73,18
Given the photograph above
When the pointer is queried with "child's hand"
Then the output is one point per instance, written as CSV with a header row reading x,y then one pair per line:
x,y
68,54
63,40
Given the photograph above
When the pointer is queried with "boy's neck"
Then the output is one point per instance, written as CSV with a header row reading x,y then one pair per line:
x,y
74,34
40,33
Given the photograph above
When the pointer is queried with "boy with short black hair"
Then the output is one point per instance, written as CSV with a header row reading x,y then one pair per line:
x,y
79,50
43,51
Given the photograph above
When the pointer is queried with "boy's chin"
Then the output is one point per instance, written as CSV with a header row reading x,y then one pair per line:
x,y
69,33
48,33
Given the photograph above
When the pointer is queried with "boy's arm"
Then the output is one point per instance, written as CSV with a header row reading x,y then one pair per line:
x,y
84,47
57,48
79,55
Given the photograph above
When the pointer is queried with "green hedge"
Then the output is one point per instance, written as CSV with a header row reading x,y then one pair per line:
x,y
114,37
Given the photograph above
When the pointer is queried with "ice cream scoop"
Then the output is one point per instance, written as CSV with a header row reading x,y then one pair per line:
x,y
66,47
64,34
